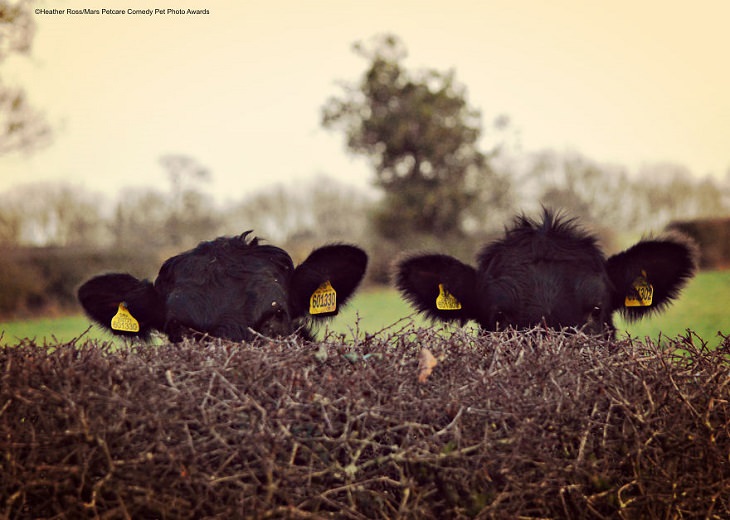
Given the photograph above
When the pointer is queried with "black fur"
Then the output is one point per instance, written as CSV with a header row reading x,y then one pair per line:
x,y
548,271
226,287
101,296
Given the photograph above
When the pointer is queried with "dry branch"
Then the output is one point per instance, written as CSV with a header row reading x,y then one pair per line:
x,y
506,425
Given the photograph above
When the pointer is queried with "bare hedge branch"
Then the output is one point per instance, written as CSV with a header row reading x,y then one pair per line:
x,y
506,425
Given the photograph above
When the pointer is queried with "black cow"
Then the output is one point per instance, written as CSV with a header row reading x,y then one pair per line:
x,y
549,272
226,288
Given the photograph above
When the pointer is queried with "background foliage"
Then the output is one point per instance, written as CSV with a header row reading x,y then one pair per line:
x,y
22,127
422,139
435,187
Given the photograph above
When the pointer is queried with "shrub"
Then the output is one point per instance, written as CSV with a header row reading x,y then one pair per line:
x,y
42,280
504,425
712,237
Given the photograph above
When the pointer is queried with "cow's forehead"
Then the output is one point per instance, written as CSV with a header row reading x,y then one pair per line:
x,y
209,270
234,251
544,276
550,241
501,258
256,260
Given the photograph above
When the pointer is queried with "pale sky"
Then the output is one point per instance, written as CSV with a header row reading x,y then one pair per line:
x,y
241,89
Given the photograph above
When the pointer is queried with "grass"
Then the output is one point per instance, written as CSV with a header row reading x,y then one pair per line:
x,y
703,308
48,330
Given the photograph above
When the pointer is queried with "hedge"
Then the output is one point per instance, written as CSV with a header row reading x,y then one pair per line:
x,y
43,280
416,423
712,237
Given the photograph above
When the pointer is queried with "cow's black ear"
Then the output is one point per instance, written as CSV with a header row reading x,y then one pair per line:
x,y
123,304
649,275
439,285
326,280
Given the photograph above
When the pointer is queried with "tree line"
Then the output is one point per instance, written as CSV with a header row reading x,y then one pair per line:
x,y
424,143
61,214
436,185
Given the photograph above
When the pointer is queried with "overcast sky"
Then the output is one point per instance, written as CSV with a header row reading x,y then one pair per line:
x,y
241,89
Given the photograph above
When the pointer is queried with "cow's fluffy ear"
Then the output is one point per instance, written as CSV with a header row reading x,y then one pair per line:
x,y
326,280
649,275
439,285
102,296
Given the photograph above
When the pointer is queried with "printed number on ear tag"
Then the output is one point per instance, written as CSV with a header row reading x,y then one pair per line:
x,y
124,321
446,301
644,293
323,300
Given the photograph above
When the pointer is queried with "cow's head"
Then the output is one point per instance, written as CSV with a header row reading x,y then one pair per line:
x,y
228,288
549,272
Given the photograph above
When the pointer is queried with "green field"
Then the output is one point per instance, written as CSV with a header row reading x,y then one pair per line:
x,y
704,307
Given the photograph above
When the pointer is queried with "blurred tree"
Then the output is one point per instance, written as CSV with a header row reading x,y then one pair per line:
x,y
422,139
21,127
176,220
50,214
139,218
607,196
191,217
594,192
304,216
63,214
671,192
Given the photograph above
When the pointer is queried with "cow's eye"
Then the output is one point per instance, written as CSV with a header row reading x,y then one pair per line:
x,y
275,312
595,312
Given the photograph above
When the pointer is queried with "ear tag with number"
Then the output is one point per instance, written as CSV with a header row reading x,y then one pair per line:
x,y
323,300
446,301
644,293
124,321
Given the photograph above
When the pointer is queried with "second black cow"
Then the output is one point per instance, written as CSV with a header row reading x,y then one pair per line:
x,y
231,287
549,272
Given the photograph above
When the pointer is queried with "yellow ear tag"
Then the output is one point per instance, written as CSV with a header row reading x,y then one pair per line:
x,y
124,321
446,301
643,295
323,300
